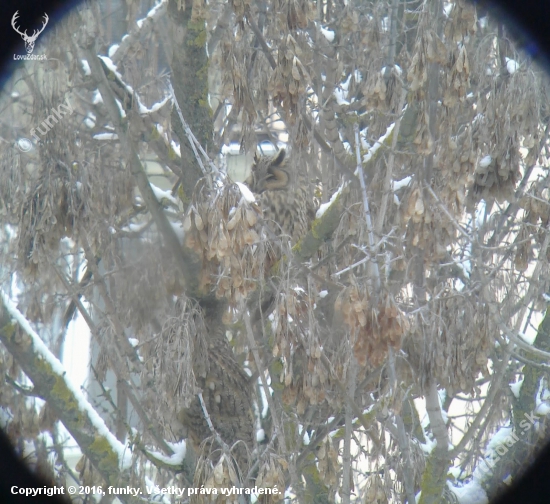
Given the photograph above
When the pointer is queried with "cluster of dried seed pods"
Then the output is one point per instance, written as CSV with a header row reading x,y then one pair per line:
x,y
224,231
536,206
329,467
432,230
293,13
417,73
453,348
454,162
383,90
272,475
289,80
48,214
458,78
496,176
303,377
240,7
462,21
222,475
373,328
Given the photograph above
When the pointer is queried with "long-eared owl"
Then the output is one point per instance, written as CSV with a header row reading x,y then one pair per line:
x,y
284,197
227,395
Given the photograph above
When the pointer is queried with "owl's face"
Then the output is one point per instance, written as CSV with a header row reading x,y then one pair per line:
x,y
269,174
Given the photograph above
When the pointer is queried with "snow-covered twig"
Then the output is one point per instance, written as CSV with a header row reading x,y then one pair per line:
x,y
435,476
368,219
142,28
108,455
391,161
118,360
259,364
186,261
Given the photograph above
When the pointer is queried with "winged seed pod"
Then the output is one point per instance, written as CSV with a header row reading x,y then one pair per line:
x,y
372,328
226,235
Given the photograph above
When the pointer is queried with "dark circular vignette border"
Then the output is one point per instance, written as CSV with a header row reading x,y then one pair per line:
x,y
30,17
528,22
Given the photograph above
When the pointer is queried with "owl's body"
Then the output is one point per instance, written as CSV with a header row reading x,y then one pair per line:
x,y
227,394
283,194
226,389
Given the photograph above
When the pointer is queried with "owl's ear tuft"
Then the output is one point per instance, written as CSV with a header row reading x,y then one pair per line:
x,y
279,158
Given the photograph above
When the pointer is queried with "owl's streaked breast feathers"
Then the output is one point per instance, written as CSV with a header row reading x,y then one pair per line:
x,y
283,195
227,394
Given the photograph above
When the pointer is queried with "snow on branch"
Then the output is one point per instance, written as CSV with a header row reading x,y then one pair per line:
x,y
50,381
140,31
173,462
328,215
187,262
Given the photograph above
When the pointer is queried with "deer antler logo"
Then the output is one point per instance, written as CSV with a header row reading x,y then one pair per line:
x,y
29,39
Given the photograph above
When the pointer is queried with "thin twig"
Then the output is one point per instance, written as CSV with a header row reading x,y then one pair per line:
x,y
402,440
185,260
119,366
389,167
346,458
494,388
370,229
195,144
262,42
219,440
448,214
260,366
26,391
